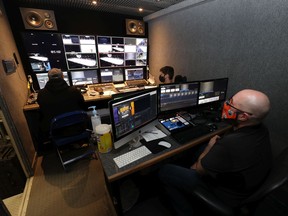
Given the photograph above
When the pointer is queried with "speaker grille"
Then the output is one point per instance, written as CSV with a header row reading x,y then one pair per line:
x,y
38,19
135,27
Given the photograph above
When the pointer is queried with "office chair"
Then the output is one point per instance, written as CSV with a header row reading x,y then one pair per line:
x,y
70,136
277,177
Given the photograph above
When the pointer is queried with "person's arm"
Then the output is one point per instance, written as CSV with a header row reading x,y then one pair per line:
x,y
197,165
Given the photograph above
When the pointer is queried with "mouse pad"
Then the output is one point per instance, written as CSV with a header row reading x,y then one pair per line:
x,y
153,145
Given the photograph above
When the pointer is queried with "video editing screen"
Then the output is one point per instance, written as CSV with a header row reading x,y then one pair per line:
x,y
84,77
177,96
122,51
42,79
44,51
131,113
80,51
134,73
212,90
111,75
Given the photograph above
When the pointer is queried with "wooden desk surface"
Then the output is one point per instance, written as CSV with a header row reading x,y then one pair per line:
x,y
114,173
87,98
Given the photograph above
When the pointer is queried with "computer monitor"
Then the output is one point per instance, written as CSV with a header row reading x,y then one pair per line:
x,y
42,79
80,51
111,75
44,51
177,96
211,91
133,115
134,73
84,77
122,51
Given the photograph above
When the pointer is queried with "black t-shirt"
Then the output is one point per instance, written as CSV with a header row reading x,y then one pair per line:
x,y
238,163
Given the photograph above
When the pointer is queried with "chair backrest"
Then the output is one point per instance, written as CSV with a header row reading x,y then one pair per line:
x,y
276,178
69,124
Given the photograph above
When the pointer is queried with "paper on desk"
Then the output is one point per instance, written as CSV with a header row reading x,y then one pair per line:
x,y
153,134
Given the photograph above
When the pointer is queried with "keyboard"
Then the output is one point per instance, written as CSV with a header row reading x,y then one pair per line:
x,y
187,135
131,156
104,86
134,83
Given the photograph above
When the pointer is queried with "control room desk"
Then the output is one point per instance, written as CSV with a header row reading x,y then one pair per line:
x,y
114,173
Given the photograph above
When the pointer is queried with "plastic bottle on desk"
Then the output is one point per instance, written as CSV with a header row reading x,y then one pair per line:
x,y
95,118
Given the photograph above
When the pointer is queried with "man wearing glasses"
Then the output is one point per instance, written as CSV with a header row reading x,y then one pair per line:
x,y
232,166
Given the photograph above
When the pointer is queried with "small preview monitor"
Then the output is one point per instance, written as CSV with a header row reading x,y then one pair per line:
x,y
84,77
134,73
178,96
42,79
212,90
133,115
111,75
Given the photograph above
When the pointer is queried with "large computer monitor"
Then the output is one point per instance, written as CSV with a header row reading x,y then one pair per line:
x,y
84,77
211,91
122,51
176,96
42,79
133,115
80,51
44,51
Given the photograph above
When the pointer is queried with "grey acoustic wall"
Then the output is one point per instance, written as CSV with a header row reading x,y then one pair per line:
x,y
244,40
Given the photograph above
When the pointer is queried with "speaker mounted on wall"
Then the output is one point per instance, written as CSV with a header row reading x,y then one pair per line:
x,y
38,19
135,27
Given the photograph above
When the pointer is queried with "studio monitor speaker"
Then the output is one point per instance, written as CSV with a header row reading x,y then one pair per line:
x,y
38,19
135,27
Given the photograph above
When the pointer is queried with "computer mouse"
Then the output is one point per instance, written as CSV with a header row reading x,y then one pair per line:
x,y
212,126
164,144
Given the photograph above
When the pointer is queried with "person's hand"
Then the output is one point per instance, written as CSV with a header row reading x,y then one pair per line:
x,y
212,141
194,166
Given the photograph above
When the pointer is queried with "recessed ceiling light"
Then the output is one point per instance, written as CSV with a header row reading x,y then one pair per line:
x,y
140,9
94,2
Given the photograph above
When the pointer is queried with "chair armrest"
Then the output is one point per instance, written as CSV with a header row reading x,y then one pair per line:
x,y
212,202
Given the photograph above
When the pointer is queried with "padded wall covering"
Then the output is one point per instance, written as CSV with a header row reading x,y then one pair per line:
x,y
243,40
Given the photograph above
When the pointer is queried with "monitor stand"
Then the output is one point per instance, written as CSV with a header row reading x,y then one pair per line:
x,y
135,143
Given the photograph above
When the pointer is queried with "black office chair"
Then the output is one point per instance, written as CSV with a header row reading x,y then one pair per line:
x,y
70,135
277,177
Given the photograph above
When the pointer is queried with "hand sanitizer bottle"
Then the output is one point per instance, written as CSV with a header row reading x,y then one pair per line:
x,y
95,118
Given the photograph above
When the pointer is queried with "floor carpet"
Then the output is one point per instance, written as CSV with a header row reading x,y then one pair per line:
x,y
79,191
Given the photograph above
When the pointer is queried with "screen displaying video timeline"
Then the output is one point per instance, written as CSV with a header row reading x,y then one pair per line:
x,y
111,75
67,52
42,79
122,51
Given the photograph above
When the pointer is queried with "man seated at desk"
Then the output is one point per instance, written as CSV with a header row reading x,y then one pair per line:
x,y
54,99
232,166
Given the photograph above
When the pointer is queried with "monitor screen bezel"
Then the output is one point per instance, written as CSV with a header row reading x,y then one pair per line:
x,y
121,140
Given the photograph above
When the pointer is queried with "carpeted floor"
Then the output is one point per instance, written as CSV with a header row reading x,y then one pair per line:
x,y
79,191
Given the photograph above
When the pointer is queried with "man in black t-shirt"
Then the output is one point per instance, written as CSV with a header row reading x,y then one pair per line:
x,y
232,166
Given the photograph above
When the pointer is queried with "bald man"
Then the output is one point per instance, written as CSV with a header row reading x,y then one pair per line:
x,y
232,166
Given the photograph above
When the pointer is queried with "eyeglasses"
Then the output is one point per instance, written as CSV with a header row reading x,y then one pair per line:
x,y
229,103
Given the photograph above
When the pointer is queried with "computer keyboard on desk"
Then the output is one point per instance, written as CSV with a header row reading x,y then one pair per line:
x,y
131,156
136,83
101,85
187,135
